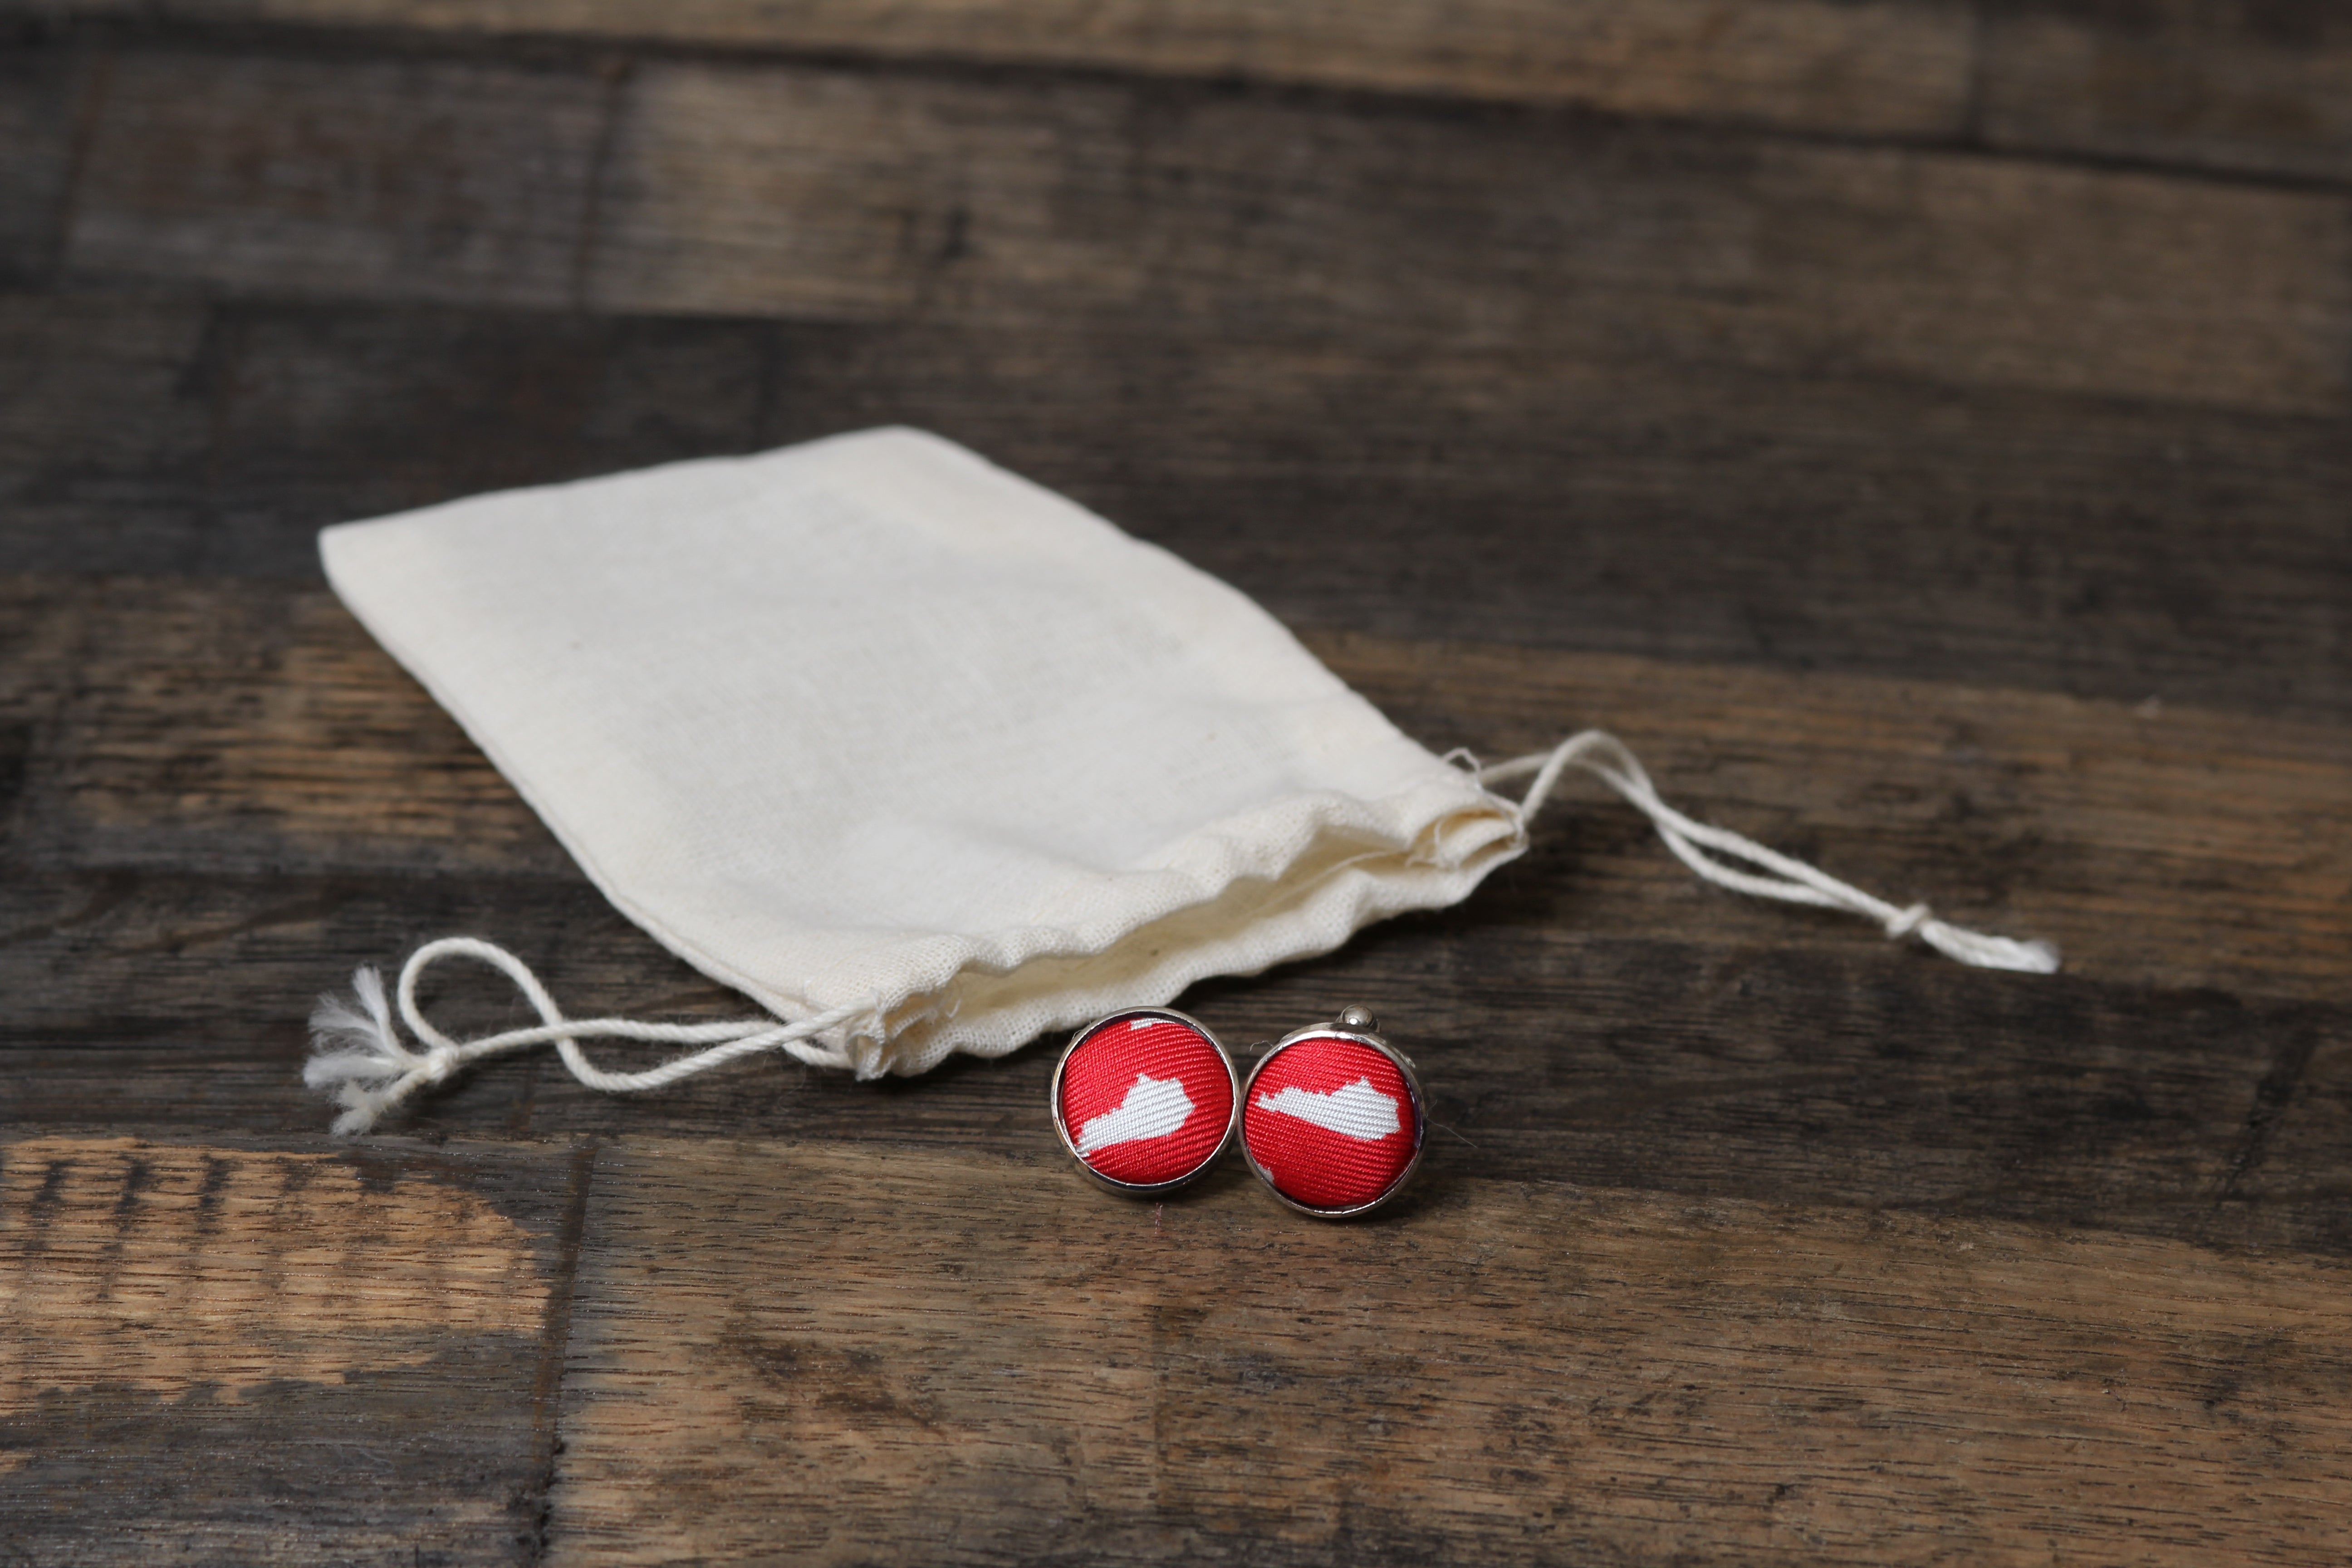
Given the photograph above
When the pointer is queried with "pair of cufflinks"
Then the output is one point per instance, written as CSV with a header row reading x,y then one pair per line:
x,y
1330,1117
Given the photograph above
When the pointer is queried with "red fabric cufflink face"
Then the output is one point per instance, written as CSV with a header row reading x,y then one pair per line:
x,y
1144,1100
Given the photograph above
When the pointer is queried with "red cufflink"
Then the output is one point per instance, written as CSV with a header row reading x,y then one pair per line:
x,y
1332,1117
1144,1100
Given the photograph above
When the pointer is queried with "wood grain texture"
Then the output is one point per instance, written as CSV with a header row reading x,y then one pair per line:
x,y
1880,67
807,193
2302,1125
2043,540
2264,88
1395,228
41,96
1922,427
840,1356
102,428
234,1352
413,179
2222,85
169,436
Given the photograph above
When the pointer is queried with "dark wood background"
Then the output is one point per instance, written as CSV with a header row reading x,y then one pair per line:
x,y
1919,426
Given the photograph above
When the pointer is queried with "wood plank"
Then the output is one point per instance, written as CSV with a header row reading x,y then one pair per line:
x,y
155,436
103,430
2040,805
396,178
2021,540
178,1002
852,1355
799,193
332,415
232,1351
1682,1063
41,96
2259,90
2027,540
2292,1164
1877,67
2264,89
252,728
1389,228
315,670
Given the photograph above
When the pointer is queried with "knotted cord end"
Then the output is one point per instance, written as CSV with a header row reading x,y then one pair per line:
x,y
360,1058
1730,860
1985,951
1904,922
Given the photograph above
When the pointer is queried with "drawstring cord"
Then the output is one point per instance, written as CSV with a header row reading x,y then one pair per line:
x,y
360,1058
1776,876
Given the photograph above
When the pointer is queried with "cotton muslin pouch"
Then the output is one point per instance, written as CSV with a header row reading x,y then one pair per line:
x,y
921,757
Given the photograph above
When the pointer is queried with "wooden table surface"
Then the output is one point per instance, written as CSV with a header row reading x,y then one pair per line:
x,y
1923,429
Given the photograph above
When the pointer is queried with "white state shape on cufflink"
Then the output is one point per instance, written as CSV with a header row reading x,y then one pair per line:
x,y
1356,1109
1153,1107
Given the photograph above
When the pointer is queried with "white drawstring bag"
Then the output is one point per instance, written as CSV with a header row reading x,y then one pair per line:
x,y
921,758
